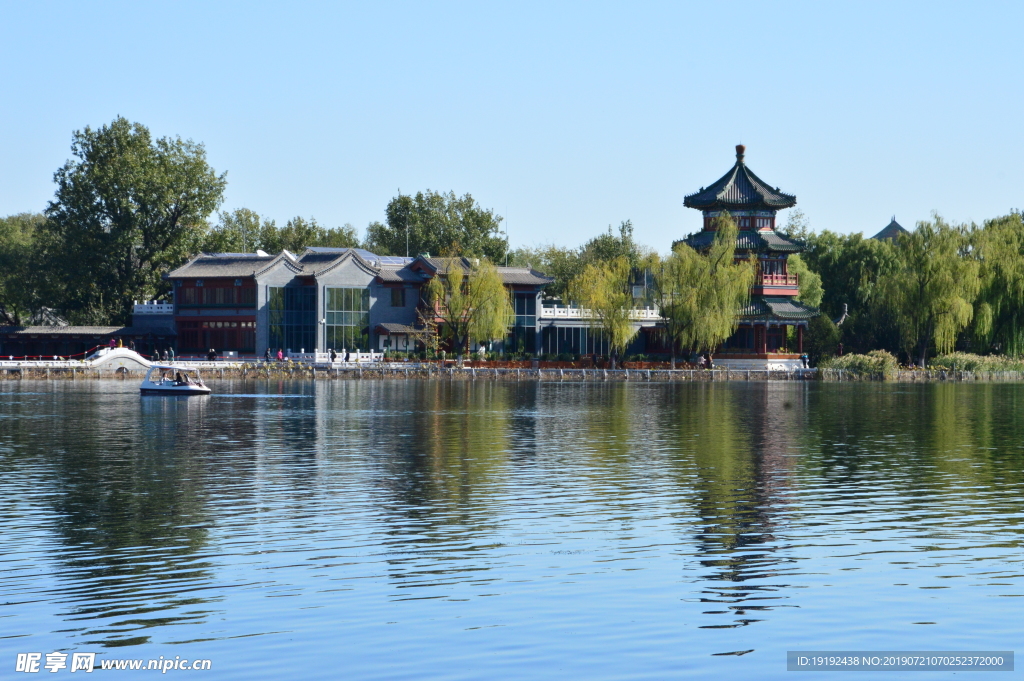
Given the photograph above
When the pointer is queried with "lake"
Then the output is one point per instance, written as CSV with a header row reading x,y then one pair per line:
x,y
501,530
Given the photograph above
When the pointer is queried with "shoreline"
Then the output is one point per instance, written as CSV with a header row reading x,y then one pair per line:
x,y
313,372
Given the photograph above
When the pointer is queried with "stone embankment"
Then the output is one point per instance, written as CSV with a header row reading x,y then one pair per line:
x,y
401,371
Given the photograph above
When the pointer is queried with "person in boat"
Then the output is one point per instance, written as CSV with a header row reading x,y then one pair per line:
x,y
178,380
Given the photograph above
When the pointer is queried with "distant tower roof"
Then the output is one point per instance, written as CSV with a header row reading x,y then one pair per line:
x,y
739,189
891,231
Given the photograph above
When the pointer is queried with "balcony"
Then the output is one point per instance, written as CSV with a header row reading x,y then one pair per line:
x,y
788,280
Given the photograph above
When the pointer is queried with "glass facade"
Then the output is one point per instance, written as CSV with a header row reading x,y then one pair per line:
x,y
523,337
292,317
573,340
348,318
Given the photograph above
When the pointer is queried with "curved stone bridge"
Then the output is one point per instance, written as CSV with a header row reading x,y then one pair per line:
x,y
118,358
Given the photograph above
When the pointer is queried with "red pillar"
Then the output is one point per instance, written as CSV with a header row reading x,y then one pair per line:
x,y
800,339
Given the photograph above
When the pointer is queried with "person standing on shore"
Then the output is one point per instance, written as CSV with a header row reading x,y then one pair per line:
x,y
266,355
334,356
280,355
170,353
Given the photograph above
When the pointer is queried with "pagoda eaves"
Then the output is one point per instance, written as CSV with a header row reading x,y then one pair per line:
x,y
739,189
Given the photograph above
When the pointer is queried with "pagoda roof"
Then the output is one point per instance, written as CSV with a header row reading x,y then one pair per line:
x,y
891,232
739,189
747,240
762,308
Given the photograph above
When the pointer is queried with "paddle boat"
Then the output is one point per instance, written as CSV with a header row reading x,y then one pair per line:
x,y
168,379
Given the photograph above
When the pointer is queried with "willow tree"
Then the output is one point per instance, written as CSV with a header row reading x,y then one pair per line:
x,y
606,289
999,309
470,302
701,294
932,289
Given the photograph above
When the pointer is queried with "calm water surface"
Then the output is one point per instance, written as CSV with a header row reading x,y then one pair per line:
x,y
426,529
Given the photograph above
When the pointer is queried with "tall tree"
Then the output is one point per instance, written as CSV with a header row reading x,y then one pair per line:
x,y
438,223
850,268
999,310
701,294
932,290
470,302
127,209
565,264
21,281
244,230
606,289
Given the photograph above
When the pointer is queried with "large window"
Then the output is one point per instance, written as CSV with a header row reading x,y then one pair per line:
x,y
523,337
292,317
348,318
574,340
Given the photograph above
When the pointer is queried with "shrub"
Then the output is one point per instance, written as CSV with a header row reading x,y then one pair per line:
x,y
964,361
875,364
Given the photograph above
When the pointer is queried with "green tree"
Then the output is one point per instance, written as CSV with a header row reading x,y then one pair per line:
x,y
566,264
438,223
932,290
239,231
701,294
21,280
245,231
850,268
608,247
811,292
127,209
999,309
562,263
470,302
606,289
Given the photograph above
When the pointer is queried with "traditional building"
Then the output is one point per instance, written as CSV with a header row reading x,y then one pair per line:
x,y
771,327
891,232
323,298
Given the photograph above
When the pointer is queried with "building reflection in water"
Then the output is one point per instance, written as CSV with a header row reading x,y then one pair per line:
x,y
743,441
130,506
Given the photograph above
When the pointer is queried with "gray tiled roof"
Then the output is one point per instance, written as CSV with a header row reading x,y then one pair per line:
x,y
523,275
391,327
891,232
84,331
765,307
739,189
509,275
222,265
399,274
748,240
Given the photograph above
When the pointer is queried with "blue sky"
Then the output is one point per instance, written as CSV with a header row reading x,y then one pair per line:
x,y
564,118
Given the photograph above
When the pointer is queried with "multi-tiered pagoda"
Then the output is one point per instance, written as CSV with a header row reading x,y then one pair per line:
x,y
771,327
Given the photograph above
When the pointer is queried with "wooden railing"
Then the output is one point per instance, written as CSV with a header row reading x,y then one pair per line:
x,y
776,279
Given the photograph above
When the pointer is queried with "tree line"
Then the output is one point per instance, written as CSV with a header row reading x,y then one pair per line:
x,y
938,288
129,207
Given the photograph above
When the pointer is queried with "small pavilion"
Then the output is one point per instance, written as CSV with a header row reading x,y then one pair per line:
x,y
771,327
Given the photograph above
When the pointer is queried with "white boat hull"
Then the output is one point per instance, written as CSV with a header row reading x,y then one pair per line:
x,y
174,390
173,380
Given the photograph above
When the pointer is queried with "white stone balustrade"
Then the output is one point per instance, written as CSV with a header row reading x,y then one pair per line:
x,y
559,312
153,307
